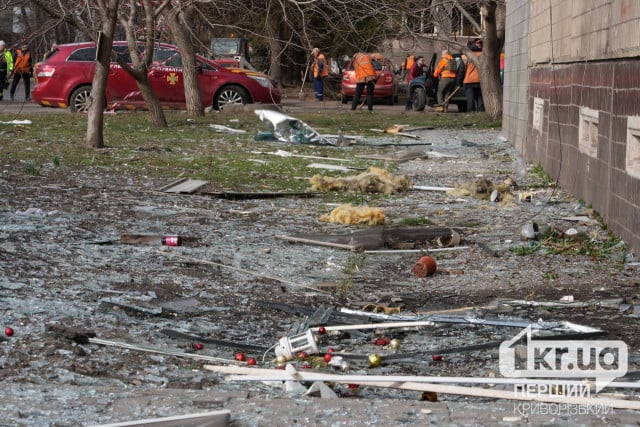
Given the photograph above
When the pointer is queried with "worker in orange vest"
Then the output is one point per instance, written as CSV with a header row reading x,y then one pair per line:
x,y
471,84
22,69
365,76
446,70
320,71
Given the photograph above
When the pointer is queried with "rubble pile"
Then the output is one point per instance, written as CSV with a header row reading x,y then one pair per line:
x,y
113,318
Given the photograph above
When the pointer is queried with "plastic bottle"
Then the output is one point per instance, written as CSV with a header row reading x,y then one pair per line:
x,y
172,240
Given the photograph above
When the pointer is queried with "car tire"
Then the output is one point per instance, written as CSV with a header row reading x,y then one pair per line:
x,y
419,98
230,95
80,99
344,98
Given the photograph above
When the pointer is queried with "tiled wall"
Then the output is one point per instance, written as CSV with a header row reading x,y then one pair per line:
x,y
583,93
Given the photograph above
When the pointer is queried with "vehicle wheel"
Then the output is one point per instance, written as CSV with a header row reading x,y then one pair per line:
x,y
344,98
230,95
80,99
419,99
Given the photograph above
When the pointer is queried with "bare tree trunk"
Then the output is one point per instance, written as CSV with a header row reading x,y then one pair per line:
x,y
177,25
273,27
95,119
493,14
141,66
275,51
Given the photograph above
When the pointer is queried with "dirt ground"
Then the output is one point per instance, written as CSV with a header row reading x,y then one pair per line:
x,y
235,285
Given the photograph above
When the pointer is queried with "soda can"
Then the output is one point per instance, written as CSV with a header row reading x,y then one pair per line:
x,y
171,240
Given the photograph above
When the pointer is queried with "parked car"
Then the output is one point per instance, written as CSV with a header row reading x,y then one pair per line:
x,y
386,85
423,91
64,80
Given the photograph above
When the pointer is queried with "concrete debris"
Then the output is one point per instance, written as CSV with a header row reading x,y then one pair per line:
x,y
241,284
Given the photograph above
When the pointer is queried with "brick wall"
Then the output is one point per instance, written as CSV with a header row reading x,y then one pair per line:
x,y
583,101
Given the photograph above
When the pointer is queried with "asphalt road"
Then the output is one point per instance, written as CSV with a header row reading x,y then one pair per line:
x,y
291,103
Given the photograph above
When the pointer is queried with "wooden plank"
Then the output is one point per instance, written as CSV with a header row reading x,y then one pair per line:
x,y
205,419
317,242
173,183
333,167
431,188
401,383
283,153
238,195
187,186
375,237
428,250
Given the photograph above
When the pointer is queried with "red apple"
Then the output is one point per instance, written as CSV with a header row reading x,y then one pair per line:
x,y
303,355
199,346
8,331
331,350
382,341
241,357
327,357
322,330
251,361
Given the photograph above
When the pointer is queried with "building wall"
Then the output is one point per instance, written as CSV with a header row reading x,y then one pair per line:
x,y
583,120
516,73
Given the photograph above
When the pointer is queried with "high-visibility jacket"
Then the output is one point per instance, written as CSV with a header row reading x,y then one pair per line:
x,y
320,67
408,62
363,67
6,60
441,69
471,74
22,64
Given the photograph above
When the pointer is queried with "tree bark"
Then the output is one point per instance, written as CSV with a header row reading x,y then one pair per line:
x,y
140,68
493,14
95,118
178,25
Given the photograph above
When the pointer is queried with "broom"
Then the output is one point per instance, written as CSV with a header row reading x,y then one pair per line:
x,y
304,79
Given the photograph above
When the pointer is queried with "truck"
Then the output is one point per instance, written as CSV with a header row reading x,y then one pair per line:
x,y
232,52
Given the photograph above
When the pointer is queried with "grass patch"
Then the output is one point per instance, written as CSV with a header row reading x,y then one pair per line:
x,y
408,222
190,147
544,178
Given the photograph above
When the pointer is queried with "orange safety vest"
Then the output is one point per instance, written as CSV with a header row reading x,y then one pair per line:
x,y
442,68
23,63
363,66
316,66
408,62
471,74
